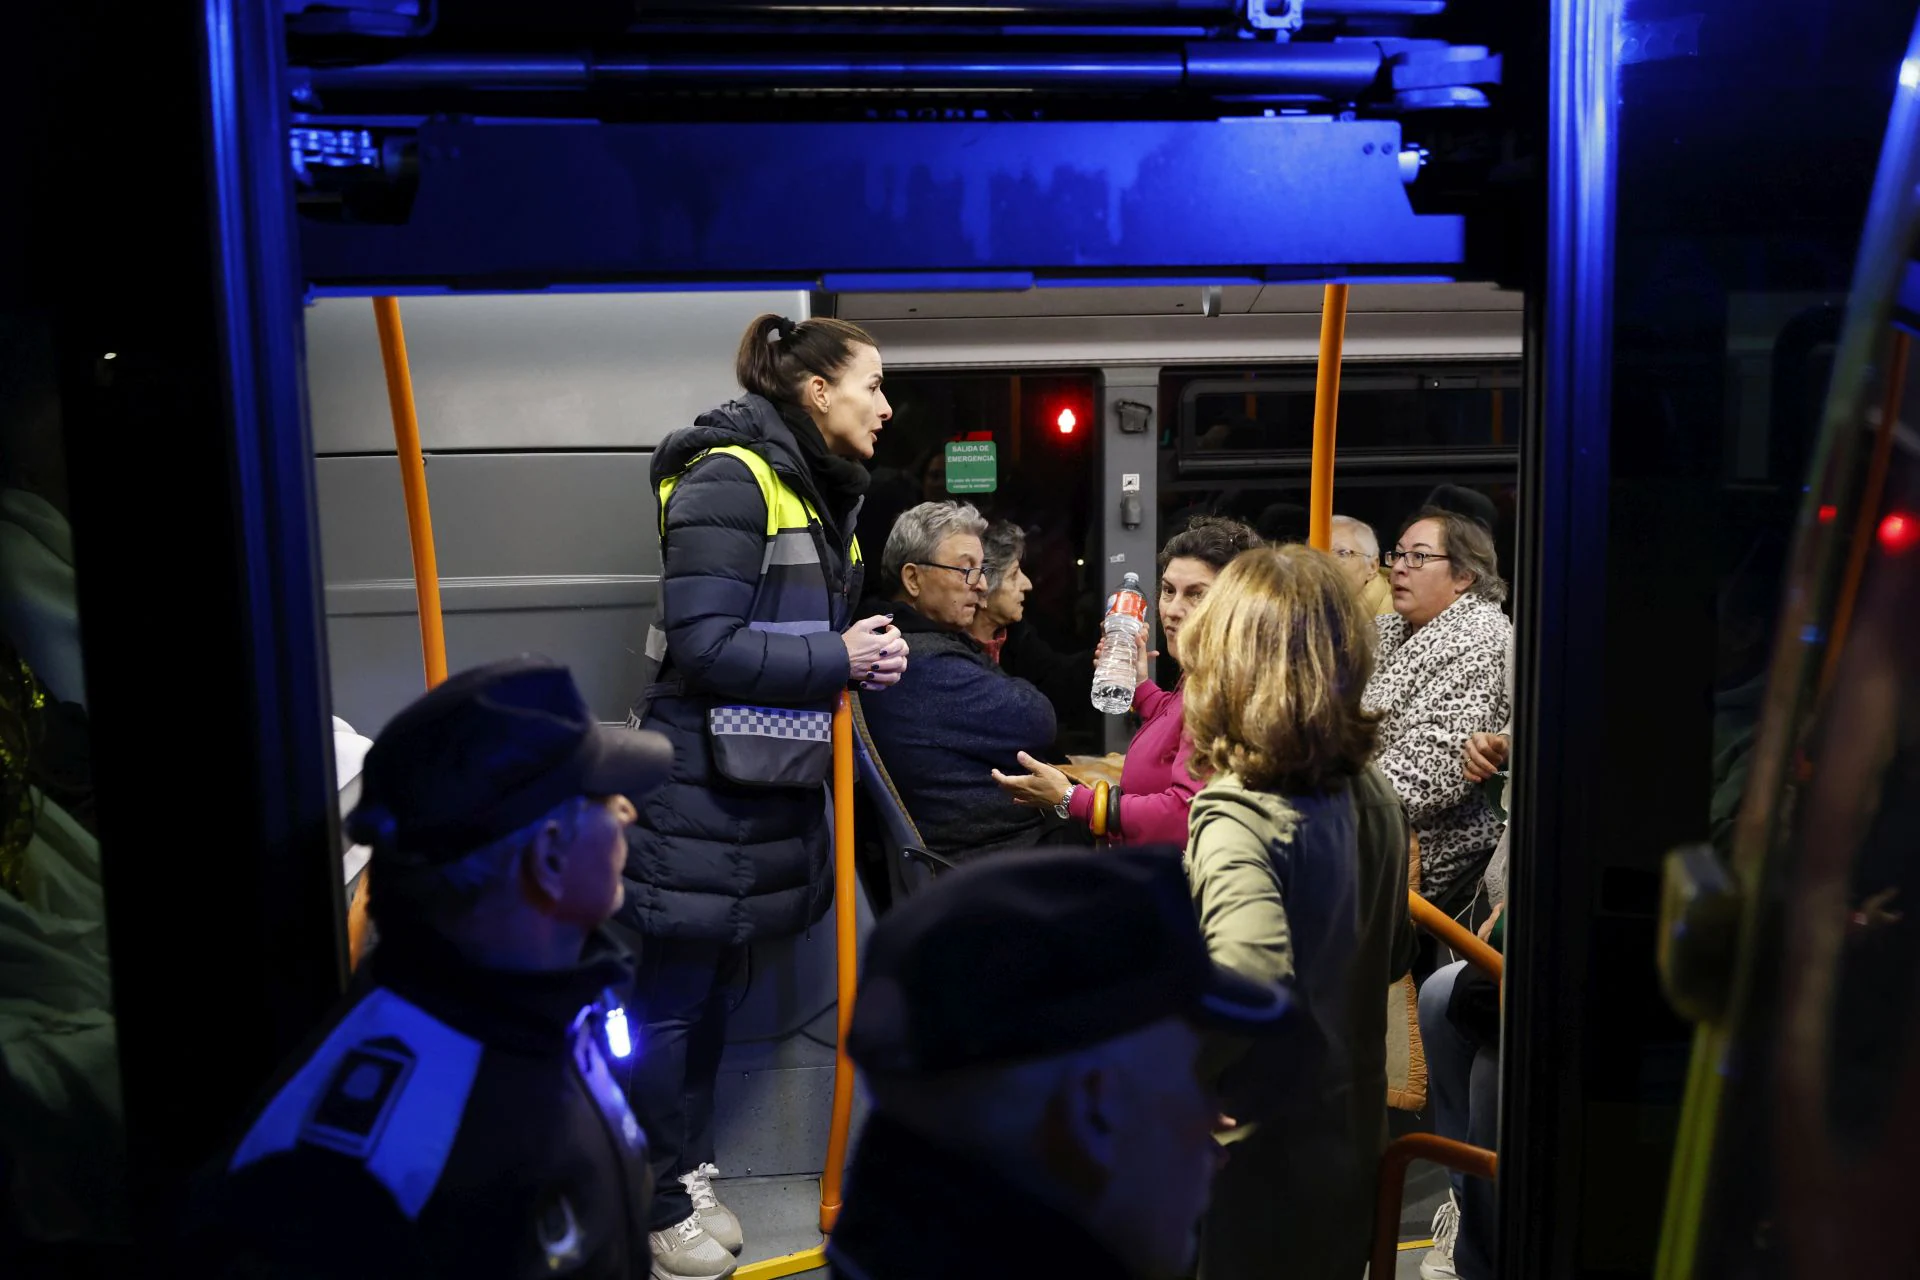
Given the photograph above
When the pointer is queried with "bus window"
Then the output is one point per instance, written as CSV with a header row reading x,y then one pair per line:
x,y
1242,447
1430,406
1044,432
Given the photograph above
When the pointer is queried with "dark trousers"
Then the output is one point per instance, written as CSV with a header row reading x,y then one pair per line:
x,y
680,1000
1466,902
1463,1080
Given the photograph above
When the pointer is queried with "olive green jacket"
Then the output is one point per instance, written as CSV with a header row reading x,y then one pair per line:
x,y
1310,890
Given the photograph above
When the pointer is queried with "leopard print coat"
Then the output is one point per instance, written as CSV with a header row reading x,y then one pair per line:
x,y
1434,688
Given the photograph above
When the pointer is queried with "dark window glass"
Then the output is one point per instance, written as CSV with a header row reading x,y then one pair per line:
x,y
1047,483
1423,408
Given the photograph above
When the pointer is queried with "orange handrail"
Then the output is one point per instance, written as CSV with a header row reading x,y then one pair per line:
x,y
413,483
1455,935
1445,1152
1326,408
847,946
426,569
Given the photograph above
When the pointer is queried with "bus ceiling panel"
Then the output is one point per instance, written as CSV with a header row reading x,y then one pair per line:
x,y
1330,71
1187,340
413,17
1105,296
530,371
538,205
1121,300
1253,14
1436,297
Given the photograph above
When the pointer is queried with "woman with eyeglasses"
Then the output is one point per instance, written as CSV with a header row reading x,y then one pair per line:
x,y
1156,786
1439,678
955,716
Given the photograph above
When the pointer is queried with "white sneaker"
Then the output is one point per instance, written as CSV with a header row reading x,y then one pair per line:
x,y
719,1220
1438,1264
685,1251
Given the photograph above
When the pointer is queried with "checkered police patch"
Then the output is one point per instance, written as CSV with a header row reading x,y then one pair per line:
x,y
772,722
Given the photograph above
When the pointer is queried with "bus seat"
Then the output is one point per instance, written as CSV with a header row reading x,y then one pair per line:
x,y
909,865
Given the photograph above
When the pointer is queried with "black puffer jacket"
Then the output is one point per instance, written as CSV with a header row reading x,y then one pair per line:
x,y
751,615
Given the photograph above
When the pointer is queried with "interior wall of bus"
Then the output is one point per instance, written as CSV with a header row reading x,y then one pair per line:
x,y
538,417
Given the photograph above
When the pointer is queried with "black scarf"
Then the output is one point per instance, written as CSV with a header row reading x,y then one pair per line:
x,y
842,481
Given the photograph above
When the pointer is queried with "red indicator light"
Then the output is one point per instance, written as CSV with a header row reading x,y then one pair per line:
x,y
1067,422
1899,532
1827,512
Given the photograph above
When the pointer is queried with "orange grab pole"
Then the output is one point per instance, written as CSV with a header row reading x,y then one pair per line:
x,y
413,482
426,570
1477,1161
1455,935
1326,408
846,938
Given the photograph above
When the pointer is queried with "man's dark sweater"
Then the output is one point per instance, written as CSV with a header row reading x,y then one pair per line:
x,y
1064,678
953,719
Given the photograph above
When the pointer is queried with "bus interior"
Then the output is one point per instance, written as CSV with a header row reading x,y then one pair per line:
x,y
1634,272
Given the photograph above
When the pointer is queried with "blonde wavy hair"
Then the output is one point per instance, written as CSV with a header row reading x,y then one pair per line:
x,y
1278,655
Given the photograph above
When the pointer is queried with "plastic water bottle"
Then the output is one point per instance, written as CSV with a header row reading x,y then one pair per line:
x,y
1124,630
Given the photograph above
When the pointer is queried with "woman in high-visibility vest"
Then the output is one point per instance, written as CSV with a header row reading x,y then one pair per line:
x,y
753,645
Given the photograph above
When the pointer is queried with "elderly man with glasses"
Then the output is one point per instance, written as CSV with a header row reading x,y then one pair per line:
x,y
1357,549
955,716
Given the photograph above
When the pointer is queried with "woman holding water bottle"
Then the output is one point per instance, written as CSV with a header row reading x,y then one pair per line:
x,y
1156,786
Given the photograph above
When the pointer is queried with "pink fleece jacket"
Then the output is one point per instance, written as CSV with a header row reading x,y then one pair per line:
x,y
1156,785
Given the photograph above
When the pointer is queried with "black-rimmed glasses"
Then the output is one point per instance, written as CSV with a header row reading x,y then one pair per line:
x,y
972,576
1414,559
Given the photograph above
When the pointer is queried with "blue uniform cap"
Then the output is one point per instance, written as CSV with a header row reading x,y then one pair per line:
x,y
488,752
1022,956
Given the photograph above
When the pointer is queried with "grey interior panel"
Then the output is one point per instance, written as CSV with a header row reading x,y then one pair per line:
x,y
531,371
550,515
549,553
377,665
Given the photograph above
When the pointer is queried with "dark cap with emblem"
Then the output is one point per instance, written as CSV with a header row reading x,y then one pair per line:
x,y
1022,956
490,751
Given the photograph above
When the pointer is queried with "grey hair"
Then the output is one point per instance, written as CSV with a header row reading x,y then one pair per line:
x,y
1362,534
920,530
449,890
1469,550
1002,546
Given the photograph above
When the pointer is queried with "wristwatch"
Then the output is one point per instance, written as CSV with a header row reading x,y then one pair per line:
x,y
1064,808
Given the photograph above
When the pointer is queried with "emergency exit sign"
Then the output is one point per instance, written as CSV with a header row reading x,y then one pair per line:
x,y
972,466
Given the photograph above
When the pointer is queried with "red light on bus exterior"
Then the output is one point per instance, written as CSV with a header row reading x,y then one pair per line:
x,y
1827,512
1898,533
1067,421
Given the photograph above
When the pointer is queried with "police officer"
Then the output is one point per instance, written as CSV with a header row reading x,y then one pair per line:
x,y
1037,1032
458,1114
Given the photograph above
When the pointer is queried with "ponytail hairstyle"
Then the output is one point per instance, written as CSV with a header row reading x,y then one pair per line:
x,y
777,355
